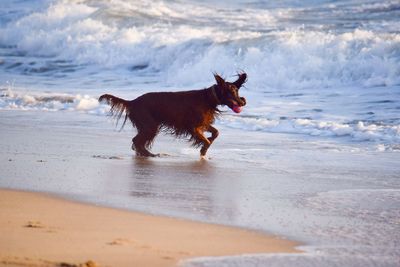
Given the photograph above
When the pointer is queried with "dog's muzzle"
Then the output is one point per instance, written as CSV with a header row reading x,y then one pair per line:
x,y
237,105
242,101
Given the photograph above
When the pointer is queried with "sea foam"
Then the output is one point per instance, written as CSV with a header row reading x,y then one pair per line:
x,y
182,47
18,100
357,131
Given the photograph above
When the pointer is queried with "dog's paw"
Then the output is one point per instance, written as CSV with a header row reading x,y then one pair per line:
x,y
204,157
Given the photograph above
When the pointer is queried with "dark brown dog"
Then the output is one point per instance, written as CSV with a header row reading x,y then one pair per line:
x,y
187,113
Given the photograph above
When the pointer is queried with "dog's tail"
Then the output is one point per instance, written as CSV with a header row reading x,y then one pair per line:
x,y
118,105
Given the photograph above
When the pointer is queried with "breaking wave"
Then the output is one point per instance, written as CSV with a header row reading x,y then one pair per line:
x,y
357,131
183,43
49,102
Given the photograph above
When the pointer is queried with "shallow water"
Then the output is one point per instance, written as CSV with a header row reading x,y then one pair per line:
x,y
317,68
313,156
341,201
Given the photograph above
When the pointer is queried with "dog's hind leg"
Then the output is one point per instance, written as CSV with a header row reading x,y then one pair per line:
x,y
139,144
143,140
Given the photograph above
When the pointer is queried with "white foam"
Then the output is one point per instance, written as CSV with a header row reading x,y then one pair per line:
x,y
358,132
182,42
86,102
386,136
350,47
11,99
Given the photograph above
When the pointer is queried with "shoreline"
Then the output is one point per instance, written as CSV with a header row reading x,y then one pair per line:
x,y
274,183
42,230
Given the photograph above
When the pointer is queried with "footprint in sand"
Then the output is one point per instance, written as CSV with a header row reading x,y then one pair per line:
x,y
34,224
119,242
39,225
89,263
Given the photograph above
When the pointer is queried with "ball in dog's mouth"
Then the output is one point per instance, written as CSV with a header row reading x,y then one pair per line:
x,y
237,108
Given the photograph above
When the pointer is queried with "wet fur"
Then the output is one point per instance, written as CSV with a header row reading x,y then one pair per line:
x,y
183,114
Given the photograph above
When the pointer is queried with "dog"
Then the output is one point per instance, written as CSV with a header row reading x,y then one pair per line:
x,y
183,114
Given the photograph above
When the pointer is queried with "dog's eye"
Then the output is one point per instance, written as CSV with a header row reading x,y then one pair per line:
x,y
233,90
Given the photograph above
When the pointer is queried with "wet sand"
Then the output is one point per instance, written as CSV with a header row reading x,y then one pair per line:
x,y
296,187
39,230
82,158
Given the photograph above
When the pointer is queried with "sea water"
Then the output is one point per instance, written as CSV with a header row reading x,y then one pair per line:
x,y
325,73
321,68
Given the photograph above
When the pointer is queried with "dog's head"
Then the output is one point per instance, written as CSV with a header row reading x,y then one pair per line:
x,y
228,93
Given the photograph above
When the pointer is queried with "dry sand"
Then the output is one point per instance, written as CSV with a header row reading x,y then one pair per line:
x,y
40,230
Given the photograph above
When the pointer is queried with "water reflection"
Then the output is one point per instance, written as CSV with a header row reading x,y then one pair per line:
x,y
197,188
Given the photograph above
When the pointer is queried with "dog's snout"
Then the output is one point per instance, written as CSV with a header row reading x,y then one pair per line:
x,y
242,101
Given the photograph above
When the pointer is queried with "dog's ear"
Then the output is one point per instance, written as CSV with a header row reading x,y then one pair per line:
x,y
241,80
220,81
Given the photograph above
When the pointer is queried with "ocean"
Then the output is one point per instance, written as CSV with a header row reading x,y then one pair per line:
x,y
323,85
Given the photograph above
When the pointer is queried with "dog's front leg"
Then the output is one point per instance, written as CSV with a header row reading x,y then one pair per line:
x,y
199,135
214,133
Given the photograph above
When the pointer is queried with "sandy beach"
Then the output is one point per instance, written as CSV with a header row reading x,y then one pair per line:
x,y
55,156
313,157
263,185
39,230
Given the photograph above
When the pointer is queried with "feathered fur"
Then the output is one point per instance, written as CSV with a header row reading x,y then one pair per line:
x,y
118,105
183,114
